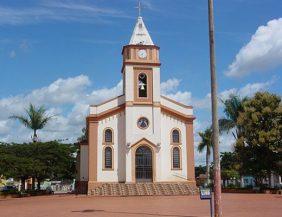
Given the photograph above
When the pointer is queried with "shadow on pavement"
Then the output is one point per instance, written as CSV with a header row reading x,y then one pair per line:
x,y
136,213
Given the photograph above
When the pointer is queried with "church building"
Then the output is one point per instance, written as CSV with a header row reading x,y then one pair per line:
x,y
139,136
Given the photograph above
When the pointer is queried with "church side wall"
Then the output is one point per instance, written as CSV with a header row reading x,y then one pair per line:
x,y
117,124
167,173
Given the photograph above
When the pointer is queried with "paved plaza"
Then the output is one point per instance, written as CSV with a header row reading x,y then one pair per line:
x,y
234,205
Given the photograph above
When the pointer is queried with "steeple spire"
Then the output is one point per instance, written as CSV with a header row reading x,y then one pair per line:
x,y
140,33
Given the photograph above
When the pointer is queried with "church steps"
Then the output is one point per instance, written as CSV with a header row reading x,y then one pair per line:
x,y
144,189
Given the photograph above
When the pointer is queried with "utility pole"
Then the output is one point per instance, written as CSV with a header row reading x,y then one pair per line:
x,y
215,130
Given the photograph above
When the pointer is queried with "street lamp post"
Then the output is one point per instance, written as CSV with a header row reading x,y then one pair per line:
x,y
215,130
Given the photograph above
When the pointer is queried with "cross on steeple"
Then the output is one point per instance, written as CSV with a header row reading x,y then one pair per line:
x,y
139,7
140,33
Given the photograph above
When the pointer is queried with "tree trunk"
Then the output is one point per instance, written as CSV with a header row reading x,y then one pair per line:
x,y
34,139
208,166
215,129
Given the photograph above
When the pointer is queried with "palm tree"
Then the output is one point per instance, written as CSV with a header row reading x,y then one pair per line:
x,y
206,144
35,119
232,108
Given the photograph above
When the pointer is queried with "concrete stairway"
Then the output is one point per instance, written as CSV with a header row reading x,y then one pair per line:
x,y
144,189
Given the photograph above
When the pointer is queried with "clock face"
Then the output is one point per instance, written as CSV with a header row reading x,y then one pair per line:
x,y
143,123
142,54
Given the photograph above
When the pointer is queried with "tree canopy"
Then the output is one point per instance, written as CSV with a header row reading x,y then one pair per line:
x,y
35,119
259,143
232,108
49,160
229,165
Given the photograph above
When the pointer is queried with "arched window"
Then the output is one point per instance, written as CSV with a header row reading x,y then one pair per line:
x,y
142,85
108,158
108,135
176,158
175,136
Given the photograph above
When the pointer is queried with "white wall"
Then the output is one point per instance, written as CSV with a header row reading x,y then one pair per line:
x,y
168,123
116,122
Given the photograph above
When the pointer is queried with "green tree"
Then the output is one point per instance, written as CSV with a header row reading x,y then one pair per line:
x,y
229,166
206,144
14,162
260,142
35,119
55,161
199,170
232,108
48,160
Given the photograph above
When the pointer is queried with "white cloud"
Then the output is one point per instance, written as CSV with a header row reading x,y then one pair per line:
x,y
170,85
12,54
246,91
169,89
262,53
99,95
251,89
4,129
182,97
68,99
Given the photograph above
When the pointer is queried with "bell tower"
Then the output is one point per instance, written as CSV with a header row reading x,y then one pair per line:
x,y
141,80
141,64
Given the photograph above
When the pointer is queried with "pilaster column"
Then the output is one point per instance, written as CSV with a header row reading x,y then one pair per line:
x,y
190,151
92,152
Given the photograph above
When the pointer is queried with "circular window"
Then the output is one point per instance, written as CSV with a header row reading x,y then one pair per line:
x,y
143,123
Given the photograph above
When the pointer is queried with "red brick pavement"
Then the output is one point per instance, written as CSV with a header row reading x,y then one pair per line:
x,y
239,205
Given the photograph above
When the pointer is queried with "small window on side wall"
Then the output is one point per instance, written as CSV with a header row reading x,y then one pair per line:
x,y
142,85
108,136
108,158
176,158
175,136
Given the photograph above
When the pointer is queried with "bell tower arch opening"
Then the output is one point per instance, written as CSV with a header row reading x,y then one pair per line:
x,y
142,85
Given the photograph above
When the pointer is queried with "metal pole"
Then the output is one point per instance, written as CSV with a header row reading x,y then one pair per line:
x,y
215,140
211,207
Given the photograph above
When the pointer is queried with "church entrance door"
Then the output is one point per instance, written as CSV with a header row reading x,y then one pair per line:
x,y
143,164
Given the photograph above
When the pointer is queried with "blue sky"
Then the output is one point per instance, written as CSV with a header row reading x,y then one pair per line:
x,y
67,54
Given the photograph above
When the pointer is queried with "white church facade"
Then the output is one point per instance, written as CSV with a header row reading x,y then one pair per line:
x,y
139,136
